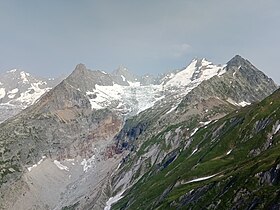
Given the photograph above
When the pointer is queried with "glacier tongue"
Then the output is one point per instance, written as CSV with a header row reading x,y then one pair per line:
x,y
135,97
125,99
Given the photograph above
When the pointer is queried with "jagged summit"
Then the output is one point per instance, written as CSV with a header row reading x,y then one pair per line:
x,y
80,67
79,71
238,61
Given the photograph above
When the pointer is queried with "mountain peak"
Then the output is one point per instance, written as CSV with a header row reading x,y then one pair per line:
x,y
121,70
237,61
80,67
79,70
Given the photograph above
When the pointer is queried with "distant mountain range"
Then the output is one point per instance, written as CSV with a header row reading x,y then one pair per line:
x,y
19,89
100,140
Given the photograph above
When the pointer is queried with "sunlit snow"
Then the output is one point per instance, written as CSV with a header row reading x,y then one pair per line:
x,y
89,163
195,130
60,166
113,200
2,93
201,179
35,165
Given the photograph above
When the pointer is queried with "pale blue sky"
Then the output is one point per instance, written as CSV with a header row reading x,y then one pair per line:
x,y
49,38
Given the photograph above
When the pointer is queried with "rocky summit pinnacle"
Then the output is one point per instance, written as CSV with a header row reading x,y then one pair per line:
x,y
79,69
238,61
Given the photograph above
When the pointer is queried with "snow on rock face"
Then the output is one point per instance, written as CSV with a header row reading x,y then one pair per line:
x,y
35,165
196,72
87,164
113,200
126,99
123,78
183,78
195,130
60,166
229,152
13,91
2,93
24,76
244,103
200,179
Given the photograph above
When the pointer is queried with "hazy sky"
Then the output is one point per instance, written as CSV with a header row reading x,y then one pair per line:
x,y
49,38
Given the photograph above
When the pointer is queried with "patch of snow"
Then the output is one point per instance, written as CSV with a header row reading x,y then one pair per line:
x,y
113,200
277,129
171,110
89,163
244,103
195,130
229,152
123,78
11,95
194,151
35,165
23,76
104,72
60,166
183,78
13,91
94,105
134,84
201,179
12,71
2,93
205,123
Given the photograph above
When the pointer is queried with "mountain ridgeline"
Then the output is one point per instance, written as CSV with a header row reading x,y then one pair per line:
x,y
194,138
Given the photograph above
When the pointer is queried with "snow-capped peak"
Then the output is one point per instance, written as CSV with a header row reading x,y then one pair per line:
x,y
196,72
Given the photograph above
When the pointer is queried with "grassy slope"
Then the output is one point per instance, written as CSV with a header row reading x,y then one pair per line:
x,y
237,172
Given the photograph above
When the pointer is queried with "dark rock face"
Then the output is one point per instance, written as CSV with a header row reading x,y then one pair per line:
x,y
124,140
192,198
271,177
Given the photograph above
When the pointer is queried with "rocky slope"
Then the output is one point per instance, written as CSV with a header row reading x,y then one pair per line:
x,y
65,150
19,89
232,163
155,136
